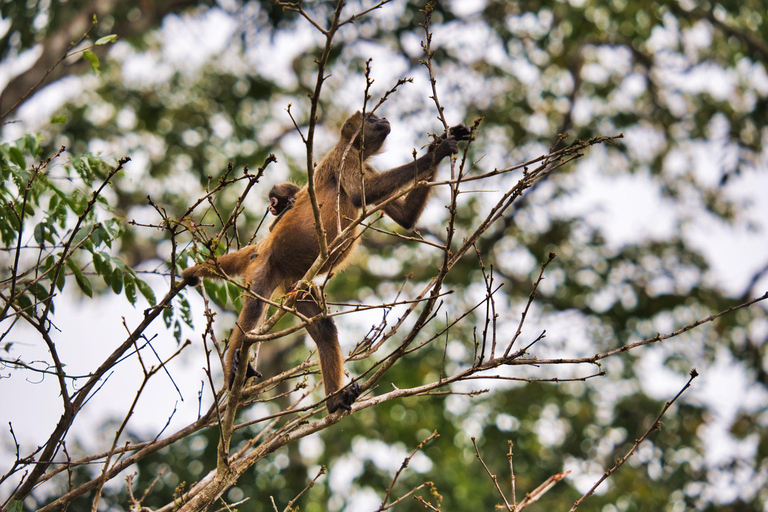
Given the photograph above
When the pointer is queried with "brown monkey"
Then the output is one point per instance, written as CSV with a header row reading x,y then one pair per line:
x,y
281,197
282,258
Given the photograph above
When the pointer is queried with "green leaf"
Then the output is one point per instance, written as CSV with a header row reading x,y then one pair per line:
x,y
15,506
82,281
210,290
33,144
114,228
41,294
146,291
118,263
130,288
98,263
64,197
186,310
40,233
235,294
82,234
93,60
97,237
111,38
117,281
58,119
222,291
177,331
39,291
17,157
24,302
167,316
101,263
61,281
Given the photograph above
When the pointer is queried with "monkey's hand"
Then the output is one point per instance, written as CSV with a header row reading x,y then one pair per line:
x,y
461,132
448,145
344,398
190,275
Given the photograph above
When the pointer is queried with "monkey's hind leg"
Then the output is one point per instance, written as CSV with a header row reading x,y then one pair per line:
x,y
326,338
251,315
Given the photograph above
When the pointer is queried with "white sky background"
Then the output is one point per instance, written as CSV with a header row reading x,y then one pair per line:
x,y
611,202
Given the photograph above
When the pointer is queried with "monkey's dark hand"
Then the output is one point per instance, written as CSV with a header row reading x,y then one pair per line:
x,y
460,132
448,145
189,275
344,399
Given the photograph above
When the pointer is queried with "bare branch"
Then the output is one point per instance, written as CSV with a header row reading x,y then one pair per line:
x,y
656,425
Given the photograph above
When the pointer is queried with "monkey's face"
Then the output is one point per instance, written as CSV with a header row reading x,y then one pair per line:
x,y
376,131
274,205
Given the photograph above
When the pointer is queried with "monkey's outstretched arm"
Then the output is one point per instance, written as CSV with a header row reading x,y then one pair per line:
x,y
407,210
380,186
233,264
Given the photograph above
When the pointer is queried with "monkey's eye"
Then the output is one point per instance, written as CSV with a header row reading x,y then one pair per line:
x,y
273,201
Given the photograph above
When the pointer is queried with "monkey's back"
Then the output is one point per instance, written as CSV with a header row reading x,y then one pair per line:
x,y
294,244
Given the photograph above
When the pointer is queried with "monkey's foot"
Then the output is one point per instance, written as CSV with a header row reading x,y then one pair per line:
x,y
344,399
249,371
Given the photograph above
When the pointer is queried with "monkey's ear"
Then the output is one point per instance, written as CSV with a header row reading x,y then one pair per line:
x,y
351,125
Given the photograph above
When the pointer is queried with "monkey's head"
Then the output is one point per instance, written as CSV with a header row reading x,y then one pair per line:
x,y
376,131
281,197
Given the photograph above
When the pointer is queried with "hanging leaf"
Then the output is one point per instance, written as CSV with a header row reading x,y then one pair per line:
x,y
210,290
177,331
130,288
17,157
222,294
186,310
168,316
40,233
93,60
146,291
82,281
117,281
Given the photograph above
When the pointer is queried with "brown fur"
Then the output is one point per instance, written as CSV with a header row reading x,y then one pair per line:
x,y
289,249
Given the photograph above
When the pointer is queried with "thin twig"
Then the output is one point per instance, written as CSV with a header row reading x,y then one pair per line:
x,y
656,425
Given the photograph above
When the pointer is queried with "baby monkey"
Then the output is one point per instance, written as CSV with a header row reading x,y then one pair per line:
x,y
281,198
